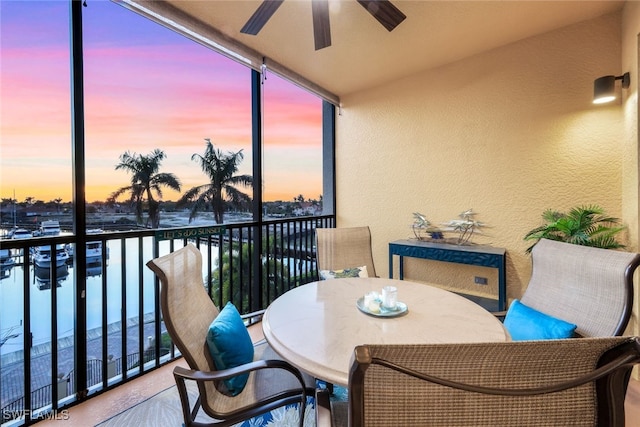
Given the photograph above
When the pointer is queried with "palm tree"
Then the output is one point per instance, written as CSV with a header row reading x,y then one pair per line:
x,y
233,270
57,203
221,190
145,180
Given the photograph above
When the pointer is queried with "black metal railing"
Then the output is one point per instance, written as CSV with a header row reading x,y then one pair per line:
x,y
41,397
249,264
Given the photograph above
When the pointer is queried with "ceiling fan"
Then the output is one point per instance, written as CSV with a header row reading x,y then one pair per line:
x,y
385,12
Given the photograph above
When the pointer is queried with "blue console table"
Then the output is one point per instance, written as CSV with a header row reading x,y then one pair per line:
x,y
484,256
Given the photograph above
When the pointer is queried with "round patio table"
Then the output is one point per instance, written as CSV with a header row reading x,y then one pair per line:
x,y
317,326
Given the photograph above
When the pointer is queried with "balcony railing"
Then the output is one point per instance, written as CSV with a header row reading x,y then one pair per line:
x,y
41,398
47,341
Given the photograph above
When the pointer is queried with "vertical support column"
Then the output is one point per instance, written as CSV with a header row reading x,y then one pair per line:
x,y
79,202
255,297
328,158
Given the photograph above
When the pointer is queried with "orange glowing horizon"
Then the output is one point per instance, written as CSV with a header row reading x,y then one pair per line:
x,y
145,88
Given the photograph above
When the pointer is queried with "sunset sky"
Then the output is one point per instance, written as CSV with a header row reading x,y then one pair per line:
x,y
145,88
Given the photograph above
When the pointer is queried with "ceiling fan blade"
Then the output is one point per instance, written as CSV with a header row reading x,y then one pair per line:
x,y
321,25
385,12
260,17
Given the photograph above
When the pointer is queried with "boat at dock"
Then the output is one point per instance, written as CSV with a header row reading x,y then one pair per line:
x,y
42,256
94,248
6,259
20,233
49,228
94,252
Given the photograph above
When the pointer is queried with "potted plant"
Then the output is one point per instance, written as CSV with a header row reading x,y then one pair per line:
x,y
582,225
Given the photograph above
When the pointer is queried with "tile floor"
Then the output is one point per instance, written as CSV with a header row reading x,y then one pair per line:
x,y
99,408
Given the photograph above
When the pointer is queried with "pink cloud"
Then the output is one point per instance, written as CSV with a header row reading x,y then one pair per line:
x,y
141,92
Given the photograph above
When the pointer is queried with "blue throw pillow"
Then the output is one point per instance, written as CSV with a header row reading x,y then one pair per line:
x,y
230,345
526,323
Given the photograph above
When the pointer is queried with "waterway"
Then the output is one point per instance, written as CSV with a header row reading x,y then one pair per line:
x,y
12,294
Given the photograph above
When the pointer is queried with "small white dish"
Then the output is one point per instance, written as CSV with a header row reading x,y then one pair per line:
x,y
399,310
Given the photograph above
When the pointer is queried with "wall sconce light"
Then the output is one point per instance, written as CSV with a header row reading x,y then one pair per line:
x,y
604,87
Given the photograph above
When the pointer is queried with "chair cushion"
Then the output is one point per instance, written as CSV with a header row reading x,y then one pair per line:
x,y
526,323
346,272
230,345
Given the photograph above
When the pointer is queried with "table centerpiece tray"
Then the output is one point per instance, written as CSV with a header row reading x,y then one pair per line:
x,y
400,309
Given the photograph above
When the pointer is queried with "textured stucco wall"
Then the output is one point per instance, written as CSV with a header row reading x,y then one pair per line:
x,y
630,177
509,133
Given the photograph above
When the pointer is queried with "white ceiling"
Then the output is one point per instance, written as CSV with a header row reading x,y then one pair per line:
x,y
364,54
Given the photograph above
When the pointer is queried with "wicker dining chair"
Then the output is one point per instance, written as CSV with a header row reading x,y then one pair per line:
x,y
188,312
586,286
346,247
577,382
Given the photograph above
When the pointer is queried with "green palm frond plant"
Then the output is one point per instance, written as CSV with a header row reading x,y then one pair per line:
x,y
582,225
